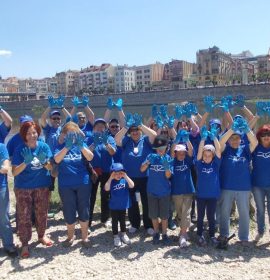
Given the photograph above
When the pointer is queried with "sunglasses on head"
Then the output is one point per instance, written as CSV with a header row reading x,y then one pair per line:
x,y
56,118
265,134
114,126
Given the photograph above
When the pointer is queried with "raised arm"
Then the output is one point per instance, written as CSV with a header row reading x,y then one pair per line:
x,y
149,132
200,150
120,135
6,118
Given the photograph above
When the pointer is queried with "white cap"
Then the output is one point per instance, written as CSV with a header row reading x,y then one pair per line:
x,y
209,148
180,148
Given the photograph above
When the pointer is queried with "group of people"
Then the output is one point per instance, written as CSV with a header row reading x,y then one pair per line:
x,y
166,162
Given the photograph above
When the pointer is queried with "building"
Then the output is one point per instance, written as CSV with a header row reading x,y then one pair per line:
x,y
125,79
97,79
148,75
65,82
177,73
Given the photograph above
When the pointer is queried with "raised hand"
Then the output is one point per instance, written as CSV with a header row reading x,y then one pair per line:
x,y
110,103
240,101
137,119
171,122
129,120
182,136
79,140
27,155
96,138
209,103
52,102
154,111
119,104
159,122
75,101
152,158
179,111
42,155
164,111
165,162
204,133
104,138
60,101
69,140
85,101
240,124
213,133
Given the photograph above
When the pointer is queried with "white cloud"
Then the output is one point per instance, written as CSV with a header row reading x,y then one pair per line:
x,y
5,53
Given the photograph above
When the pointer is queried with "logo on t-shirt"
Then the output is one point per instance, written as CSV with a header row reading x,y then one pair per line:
x,y
237,158
157,168
207,170
181,168
264,155
36,164
118,187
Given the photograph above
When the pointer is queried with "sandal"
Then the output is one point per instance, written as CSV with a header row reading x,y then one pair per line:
x,y
68,242
46,241
25,252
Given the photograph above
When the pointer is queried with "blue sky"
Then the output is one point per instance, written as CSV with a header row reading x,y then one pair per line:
x,y
42,37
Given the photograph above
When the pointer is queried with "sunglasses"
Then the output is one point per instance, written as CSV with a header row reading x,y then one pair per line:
x,y
265,134
114,126
81,118
56,119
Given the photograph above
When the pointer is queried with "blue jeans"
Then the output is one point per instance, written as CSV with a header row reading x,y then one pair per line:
x,y
259,196
5,227
242,202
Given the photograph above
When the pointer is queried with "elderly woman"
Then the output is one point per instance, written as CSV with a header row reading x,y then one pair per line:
x,y
73,180
135,148
30,167
261,177
236,180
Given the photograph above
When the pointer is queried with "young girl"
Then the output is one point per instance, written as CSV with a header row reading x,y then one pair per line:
x,y
118,185
208,187
182,188
158,187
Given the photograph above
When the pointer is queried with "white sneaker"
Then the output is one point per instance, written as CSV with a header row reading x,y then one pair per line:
x,y
183,242
132,229
150,231
107,224
117,241
125,239
258,237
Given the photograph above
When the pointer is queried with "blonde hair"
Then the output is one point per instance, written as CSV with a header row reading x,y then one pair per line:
x,y
70,126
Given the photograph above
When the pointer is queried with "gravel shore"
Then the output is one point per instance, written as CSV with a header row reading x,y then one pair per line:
x,y
140,260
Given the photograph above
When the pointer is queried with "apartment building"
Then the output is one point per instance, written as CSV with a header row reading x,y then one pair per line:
x,y
65,82
125,79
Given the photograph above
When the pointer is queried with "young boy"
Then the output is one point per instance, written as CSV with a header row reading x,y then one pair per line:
x,y
158,187
118,185
208,187
182,188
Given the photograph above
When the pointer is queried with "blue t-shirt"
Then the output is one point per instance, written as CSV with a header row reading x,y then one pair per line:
x,y
208,185
102,159
195,141
120,197
181,179
235,169
134,154
34,175
158,184
261,167
51,132
4,156
72,170
4,130
13,143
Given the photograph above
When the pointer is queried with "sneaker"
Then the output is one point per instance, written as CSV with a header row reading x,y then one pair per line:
x,y
125,239
150,231
258,237
156,238
132,229
214,241
171,225
202,241
166,240
117,241
11,252
183,242
107,224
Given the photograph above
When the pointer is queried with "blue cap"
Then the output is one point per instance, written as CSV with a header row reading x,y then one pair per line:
x,y
100,120
25,118
55,112
214,121
238,132
237,117
116,167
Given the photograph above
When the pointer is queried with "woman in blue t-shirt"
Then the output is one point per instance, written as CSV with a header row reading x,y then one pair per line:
x,y
74,184
235,178
5,227
261,177
208,187
30,168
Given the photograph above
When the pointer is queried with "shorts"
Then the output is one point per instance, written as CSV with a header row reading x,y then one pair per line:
x,y
159,207
75,199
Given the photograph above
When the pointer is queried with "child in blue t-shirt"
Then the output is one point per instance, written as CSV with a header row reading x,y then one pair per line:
x,y
208,187
182,188
159,187
118,185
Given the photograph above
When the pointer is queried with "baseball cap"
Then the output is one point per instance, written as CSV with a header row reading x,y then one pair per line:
x,y
180,148
209,147
100,120
55,112
214,121
116,167
160,142
25,118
